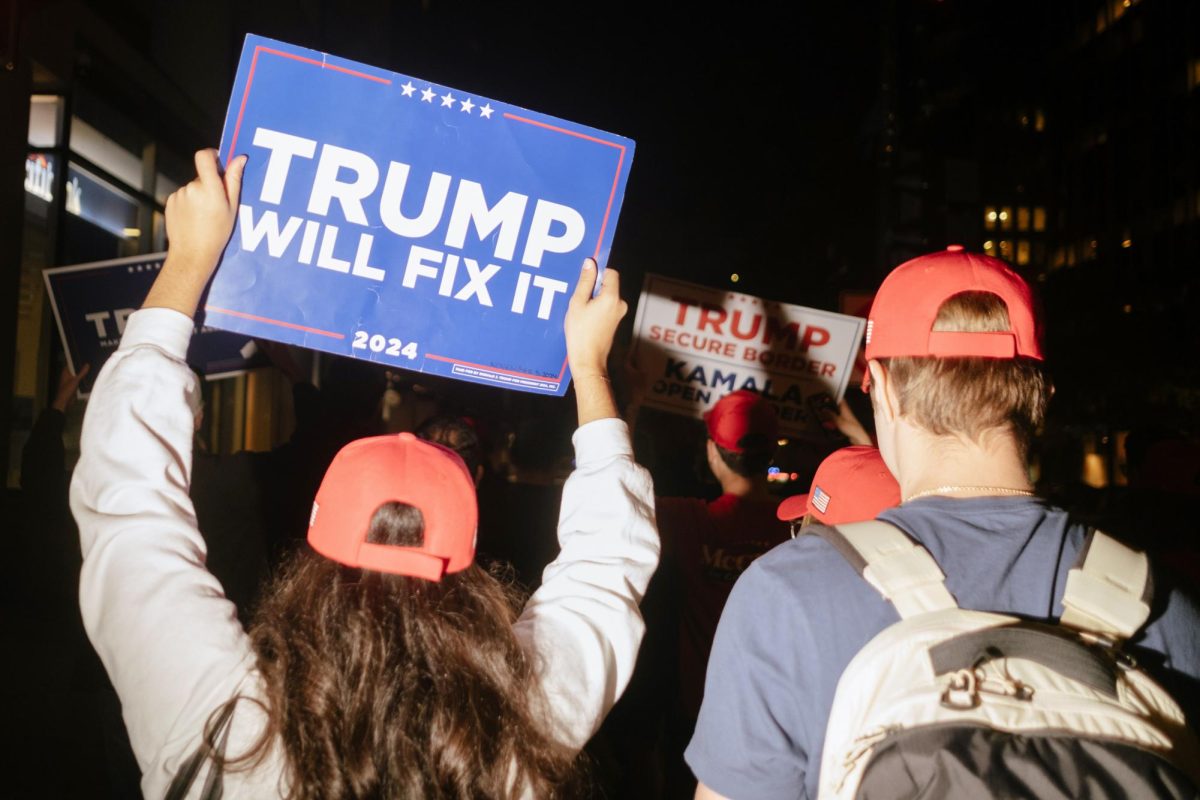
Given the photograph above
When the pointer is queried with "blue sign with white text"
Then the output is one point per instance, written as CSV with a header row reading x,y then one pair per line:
x,y
91,303
396,220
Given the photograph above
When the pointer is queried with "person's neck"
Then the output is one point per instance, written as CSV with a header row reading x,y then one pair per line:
x,y
961,468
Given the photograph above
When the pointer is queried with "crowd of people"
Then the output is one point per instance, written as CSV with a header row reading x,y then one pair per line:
x,y
460,610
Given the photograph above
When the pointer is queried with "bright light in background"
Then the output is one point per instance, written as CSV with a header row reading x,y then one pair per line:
x,y
734,278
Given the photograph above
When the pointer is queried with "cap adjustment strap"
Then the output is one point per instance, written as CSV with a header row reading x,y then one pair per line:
x,y
986,344
401,561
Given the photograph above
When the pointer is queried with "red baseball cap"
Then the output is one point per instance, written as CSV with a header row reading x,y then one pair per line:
x,y
907,303
738,415
851,485
367,473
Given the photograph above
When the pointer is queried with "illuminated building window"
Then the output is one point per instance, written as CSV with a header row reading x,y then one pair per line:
x,y
1005,217
1060,258
1023,218
1072,256
1023,252
1039,219
1194,73
1039,121
989,218
989,247
1006,249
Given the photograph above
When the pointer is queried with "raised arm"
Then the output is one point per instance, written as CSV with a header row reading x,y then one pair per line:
x,y
169,639
583,625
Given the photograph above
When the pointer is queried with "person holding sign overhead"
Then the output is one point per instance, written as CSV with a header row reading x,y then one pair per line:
x,y
383,661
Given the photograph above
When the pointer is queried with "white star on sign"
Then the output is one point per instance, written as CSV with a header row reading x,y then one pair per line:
x,y
485,111
447,100
408,89
467,105
427,94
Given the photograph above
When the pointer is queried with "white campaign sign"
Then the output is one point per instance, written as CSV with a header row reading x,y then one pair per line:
x,y
696,344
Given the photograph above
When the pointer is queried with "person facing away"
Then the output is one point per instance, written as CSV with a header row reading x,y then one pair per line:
x,y
957,389
711,543
852,484
382,662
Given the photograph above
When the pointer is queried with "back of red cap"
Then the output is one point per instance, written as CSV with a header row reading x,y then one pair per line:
x,y
368,473
907,304
738,415
851,485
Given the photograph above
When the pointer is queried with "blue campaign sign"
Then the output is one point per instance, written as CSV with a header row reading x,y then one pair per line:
x,y
397,220
92,301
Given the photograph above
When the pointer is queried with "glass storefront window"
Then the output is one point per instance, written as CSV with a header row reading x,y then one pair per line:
x,y
106,153
101,203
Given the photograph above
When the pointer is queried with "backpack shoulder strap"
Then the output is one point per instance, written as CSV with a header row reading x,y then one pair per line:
x,y
900,569
1108,590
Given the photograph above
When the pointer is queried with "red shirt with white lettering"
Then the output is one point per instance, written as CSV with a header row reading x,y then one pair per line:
x,y
711,544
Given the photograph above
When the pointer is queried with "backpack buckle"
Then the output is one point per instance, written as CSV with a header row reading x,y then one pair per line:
x,y
962,693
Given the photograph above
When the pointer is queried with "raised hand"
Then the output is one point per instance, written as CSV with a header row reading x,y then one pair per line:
x,y
68,384
591,322
590,325
200,218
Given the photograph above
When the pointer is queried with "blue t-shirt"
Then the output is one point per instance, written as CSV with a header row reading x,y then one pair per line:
x,y
800,613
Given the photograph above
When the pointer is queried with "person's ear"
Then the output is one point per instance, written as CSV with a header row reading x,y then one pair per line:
x,y
883,394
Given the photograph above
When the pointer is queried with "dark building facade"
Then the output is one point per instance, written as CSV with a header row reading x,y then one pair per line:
x,y
1060,137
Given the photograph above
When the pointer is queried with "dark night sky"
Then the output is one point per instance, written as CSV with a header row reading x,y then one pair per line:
x,y
749,157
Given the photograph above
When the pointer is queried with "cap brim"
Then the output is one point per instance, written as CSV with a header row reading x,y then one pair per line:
x,y
792,508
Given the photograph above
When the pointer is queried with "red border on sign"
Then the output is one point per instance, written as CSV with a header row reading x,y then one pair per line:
x,y
387,82
280,323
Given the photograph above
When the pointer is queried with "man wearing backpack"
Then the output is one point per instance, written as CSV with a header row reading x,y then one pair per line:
x,y
958,388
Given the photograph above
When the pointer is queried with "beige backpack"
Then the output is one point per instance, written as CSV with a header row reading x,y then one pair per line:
x,y
956,703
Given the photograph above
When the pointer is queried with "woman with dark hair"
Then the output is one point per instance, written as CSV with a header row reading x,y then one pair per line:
x,y
382,662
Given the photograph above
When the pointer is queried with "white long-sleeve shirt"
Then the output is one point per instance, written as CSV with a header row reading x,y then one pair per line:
x,y
172,643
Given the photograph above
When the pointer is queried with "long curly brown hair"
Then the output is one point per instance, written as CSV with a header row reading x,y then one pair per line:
x,y
382,685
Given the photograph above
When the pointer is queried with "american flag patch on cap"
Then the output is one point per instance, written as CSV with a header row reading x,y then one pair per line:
x,y
820,499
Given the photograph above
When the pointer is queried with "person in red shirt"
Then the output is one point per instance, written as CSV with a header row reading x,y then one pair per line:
x,y
712,543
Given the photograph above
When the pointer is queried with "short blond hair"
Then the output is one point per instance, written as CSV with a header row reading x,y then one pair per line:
x,y
968,396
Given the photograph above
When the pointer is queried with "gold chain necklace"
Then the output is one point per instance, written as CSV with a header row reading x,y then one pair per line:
x,y
981,489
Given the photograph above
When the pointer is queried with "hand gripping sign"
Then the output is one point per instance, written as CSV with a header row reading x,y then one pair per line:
x,y
695,344
91,303
400,221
